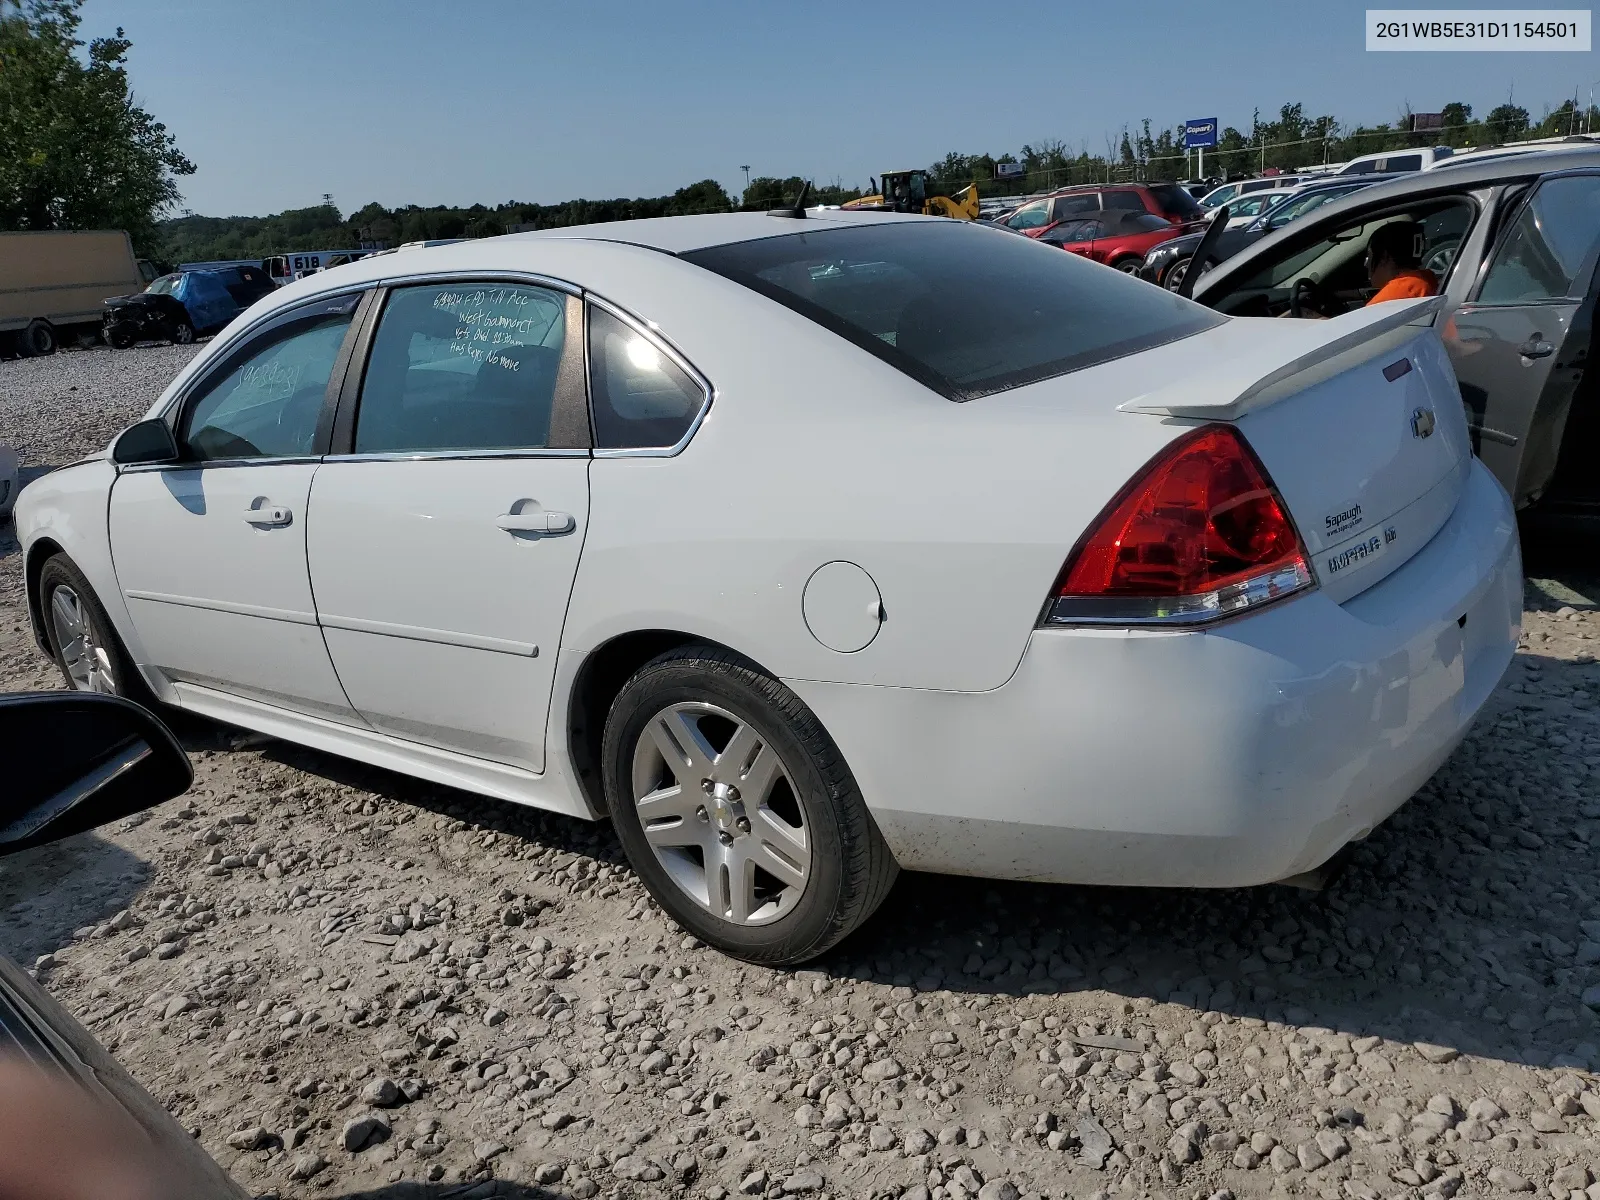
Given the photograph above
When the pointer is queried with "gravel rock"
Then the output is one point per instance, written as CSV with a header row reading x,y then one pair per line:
x,y
367,940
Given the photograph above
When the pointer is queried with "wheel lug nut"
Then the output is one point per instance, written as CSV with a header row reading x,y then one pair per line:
x,y
744,824
707,786
725,838
702,813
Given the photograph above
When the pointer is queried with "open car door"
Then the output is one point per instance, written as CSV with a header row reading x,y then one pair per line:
x,y
1522,339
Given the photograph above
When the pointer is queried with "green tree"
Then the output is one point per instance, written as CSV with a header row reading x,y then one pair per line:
x,y
75,151
1507,123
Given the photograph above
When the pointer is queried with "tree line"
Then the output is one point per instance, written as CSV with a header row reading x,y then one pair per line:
x,y
192,238
1290,142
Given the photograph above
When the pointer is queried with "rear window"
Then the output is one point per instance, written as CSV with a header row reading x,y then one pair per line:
x,y
1175,201
966,311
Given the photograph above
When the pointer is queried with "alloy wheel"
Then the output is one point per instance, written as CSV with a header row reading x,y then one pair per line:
x,y
87,661
721,813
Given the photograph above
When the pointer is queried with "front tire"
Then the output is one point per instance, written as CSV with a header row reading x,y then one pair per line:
x,y
1173,279
738,811
1129,266
82,638
119,338
182,333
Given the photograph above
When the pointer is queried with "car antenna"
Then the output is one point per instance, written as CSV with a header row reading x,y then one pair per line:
x,y
799,209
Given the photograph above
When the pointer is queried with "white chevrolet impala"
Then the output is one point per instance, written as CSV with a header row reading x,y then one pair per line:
x,y
808,549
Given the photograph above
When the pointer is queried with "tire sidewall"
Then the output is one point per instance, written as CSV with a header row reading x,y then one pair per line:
x,y
688,680
179,329
38,340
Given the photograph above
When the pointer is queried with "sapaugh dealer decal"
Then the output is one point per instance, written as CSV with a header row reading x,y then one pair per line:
x,y
1347,518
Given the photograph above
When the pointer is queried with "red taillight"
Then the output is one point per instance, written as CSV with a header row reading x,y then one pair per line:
x,y
1202,533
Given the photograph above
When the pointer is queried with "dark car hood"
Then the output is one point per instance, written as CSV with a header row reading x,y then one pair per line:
x,y
1231,242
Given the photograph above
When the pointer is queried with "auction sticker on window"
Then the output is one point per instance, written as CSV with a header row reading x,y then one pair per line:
x,y
1479,29
1336,560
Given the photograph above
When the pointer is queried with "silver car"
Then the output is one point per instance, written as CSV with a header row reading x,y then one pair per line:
x,y
1513,242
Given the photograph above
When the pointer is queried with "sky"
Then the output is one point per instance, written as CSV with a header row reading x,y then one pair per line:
x,y
428,102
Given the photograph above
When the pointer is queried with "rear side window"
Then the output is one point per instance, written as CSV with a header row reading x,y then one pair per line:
x,y
1176,202
1403,162
1550,252
1123,199
466,366
640,397
908,292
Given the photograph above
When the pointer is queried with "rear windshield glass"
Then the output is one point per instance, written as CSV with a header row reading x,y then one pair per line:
x,y
964,310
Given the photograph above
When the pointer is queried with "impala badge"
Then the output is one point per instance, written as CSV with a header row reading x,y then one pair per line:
x,y
1422,423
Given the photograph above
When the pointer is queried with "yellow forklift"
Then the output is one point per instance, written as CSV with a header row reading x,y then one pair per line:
x,y
908,192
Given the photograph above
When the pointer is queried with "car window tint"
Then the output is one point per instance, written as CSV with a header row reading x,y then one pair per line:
x,y
1122,199
640,397
903,291
463,366
268,403
1403,162
1083,202
1550,251
1174,200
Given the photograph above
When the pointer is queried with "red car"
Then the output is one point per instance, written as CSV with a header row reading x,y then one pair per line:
x,y
1118,239
1166,200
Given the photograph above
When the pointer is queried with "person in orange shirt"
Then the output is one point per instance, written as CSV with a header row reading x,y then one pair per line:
x,y
1392,265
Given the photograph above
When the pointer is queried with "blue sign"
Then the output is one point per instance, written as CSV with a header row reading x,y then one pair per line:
x,y
1200,132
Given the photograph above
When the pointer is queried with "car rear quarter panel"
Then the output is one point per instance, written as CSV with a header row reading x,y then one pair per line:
x,y
814,451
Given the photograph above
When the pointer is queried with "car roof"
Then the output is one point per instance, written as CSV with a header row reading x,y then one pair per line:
x,y
678,235
1451,176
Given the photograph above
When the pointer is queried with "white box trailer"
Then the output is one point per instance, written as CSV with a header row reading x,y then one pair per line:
x,y
52,284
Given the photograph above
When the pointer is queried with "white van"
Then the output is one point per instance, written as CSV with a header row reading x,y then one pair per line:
x,y
1422,158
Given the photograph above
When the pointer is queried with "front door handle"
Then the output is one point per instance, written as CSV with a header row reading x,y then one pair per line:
x,y
267,516
1536,347
537,520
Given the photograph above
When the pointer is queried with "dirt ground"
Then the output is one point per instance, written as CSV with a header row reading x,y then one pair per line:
x,y
346,982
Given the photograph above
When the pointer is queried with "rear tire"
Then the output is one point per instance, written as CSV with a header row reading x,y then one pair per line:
x,y
182,333
685,733
37,340
83,639
1129,265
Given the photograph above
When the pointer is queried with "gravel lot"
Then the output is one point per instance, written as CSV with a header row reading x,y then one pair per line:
x,y
348,982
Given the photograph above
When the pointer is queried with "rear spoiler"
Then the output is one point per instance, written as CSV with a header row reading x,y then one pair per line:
x,y
1240,384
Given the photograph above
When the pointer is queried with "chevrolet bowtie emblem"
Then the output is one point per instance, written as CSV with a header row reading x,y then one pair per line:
x,y
1422,423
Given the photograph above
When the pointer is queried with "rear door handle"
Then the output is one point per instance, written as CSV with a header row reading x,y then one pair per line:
x,y
1536,347
538,520
268,516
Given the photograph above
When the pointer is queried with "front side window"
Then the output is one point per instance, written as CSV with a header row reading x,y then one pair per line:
x,y
1123,200
640,398
1337,260
266,402
1550,252
903,291
462,366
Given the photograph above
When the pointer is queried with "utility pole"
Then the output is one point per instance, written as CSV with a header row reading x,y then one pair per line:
x,y
746,169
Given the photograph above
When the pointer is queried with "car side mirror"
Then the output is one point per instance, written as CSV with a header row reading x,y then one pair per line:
x,y
147,442
76,760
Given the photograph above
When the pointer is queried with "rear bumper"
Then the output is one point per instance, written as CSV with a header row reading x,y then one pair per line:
x,y
1240,755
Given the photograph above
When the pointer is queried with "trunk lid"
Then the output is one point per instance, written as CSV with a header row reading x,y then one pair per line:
x,y
1359,422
